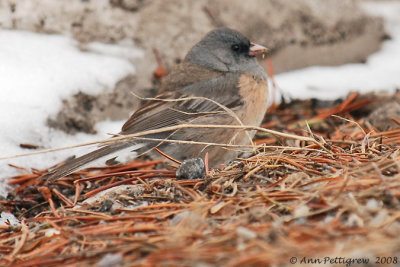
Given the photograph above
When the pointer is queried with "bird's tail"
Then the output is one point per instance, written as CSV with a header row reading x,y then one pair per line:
x,y
76,163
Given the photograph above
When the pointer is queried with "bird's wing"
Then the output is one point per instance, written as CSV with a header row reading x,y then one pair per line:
x,y
185,104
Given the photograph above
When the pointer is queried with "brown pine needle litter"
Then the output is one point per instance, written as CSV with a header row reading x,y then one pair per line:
x,y
278,206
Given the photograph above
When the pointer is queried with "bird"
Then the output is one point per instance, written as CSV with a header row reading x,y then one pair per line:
x,y
219,82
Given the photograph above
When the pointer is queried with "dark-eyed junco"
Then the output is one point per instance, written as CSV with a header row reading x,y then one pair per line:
x,y
221,67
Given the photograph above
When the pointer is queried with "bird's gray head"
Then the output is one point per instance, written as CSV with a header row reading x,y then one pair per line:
x,y
225,49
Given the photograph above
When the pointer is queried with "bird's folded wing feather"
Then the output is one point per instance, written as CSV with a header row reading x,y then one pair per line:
x,y
172,108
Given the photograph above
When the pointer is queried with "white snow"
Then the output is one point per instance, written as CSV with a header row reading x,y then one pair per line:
x,y
37,71
124,49
7,218
381,72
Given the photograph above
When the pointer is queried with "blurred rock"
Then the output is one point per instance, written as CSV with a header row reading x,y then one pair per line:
x,y
191,169
381,117
301,33
131,5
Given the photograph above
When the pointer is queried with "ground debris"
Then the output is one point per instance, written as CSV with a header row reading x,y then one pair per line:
x,y
339,200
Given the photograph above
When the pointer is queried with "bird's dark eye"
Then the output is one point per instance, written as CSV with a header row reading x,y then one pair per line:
x,y
235,47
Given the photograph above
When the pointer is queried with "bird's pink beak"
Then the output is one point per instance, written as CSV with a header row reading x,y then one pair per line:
x,y
256,50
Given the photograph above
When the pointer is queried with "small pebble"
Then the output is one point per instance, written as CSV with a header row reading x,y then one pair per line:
x,y
245,233
191,169
110,260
